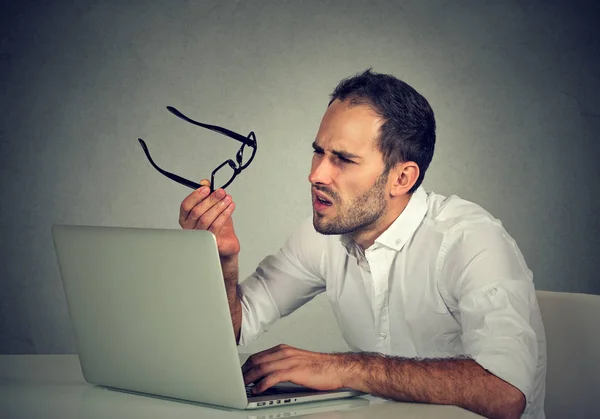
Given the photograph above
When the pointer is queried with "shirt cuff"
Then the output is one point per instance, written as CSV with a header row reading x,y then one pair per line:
x,y
515,368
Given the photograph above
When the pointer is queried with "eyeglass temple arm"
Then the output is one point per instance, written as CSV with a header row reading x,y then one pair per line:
x,y
250,140
170,175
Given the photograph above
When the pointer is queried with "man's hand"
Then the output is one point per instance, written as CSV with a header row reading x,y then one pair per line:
x,y
201,210
285,363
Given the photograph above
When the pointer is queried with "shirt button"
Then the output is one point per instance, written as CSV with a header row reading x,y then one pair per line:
x,y
492,291
383,335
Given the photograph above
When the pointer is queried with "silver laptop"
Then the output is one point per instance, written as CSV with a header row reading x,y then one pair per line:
x,y
150,314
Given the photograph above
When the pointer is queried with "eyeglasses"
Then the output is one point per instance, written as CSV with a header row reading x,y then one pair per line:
x,y
227,171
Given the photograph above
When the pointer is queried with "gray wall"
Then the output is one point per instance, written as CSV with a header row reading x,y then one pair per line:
x,y
514,85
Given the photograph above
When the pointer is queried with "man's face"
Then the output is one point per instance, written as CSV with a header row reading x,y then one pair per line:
x,y
347,174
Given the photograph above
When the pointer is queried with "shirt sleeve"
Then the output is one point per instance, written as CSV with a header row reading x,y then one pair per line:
x,y
493,290
282,282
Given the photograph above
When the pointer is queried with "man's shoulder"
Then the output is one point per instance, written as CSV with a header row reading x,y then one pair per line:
x,y
453,213
466,229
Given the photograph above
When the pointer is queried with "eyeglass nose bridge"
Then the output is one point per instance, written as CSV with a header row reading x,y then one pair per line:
x,y
233,166
240,153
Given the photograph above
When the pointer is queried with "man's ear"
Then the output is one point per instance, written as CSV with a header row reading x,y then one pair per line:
x,y
403,177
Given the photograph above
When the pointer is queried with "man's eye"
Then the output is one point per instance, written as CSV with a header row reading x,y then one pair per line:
x,y
317,151
344,160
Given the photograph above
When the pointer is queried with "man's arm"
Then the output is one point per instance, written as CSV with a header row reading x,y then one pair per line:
x,y
460,382
201,210
282,282
229,265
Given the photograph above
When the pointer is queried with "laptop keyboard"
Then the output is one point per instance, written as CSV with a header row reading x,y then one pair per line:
x,y
268,392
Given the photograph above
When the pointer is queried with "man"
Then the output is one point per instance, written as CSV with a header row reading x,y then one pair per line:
x,y
431,293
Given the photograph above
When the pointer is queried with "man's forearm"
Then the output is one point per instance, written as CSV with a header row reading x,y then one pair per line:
x,y
229,267
460,382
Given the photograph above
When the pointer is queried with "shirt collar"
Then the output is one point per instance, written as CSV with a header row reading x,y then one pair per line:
x,y
403,227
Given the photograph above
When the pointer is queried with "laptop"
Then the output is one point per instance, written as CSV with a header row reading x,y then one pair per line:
x,y
150,315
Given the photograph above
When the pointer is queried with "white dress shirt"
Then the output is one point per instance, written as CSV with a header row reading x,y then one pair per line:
x,y
444,280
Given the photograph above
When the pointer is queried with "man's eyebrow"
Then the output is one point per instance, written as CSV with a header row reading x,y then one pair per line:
x,y
339,153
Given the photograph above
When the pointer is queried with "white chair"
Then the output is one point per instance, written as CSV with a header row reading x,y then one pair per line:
x,y
572,323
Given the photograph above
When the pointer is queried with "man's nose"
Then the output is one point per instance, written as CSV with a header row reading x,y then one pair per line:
x,y
320,173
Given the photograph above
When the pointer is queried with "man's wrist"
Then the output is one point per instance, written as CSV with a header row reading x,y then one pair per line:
x,y
229,258
352,367
229,266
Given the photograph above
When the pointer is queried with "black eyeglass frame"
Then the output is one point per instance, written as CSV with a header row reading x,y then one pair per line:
x,y
249,141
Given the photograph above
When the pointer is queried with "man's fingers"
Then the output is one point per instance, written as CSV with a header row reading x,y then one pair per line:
x,y
203,203
207,217
205,182
270,380
189,203
272,354
221,219
269,368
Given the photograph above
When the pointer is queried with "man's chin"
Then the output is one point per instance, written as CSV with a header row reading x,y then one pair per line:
x,y
321,226
318,223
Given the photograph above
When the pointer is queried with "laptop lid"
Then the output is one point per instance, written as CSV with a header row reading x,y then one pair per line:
x,y
150,313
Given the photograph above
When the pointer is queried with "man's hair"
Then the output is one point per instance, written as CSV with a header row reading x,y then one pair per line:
x,y
408,129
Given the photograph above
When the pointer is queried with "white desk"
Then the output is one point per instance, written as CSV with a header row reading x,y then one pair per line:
x,y
51,386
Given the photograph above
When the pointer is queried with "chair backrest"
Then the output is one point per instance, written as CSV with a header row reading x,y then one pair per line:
x,y
572,323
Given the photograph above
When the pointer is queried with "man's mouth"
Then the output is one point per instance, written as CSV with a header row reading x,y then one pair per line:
x,y
320,201
323,201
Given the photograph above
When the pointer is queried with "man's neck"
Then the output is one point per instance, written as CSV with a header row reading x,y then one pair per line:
x,y
366,237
